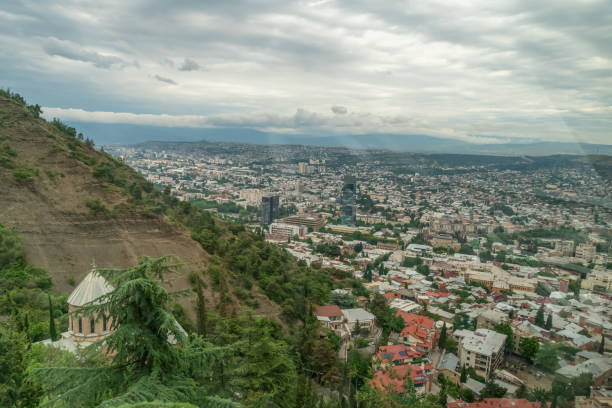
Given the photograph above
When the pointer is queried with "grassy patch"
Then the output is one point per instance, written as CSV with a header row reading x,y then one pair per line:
x,y
96,207
25,174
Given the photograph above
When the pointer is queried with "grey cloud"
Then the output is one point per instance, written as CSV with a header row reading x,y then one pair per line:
x,y
70,50
189,65
164,79
339,110
475,68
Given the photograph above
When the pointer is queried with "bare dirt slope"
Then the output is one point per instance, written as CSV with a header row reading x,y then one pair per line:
x,y
59,231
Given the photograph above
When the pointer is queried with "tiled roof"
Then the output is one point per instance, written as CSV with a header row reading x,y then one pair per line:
x,y
393,379
420,320
329,310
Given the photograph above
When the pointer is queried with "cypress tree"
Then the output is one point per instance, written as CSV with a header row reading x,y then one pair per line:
x,y
442,341
201,310
52,329
548,324
602,346
463,377
539,319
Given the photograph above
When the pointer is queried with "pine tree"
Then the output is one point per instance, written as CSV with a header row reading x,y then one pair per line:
x,y
463,377
52,329
539,319
150,358
548,324
442,341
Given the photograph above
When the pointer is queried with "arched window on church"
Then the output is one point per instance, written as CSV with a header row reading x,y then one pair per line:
x,y
92,326
80,325
104,323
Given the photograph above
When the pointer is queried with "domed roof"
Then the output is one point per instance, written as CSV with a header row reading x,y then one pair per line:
x,y
90,289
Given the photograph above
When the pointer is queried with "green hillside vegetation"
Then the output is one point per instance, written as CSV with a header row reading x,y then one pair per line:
x,y
238,352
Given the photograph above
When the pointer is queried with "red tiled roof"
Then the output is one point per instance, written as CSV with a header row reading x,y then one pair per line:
x,y
328,311
397,352
437,294
415,319
393,379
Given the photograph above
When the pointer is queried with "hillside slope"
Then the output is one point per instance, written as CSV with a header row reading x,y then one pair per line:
x,y
49,209
73,205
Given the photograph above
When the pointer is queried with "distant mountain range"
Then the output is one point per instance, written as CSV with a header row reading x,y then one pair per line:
x,y
105,134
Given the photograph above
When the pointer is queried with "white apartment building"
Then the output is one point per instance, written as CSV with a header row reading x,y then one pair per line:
x,y
482,349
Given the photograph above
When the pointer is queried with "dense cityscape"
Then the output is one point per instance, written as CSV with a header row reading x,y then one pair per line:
x,y
501,274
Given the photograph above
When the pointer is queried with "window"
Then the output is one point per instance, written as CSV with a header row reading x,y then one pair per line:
x,y
92,326
80,325
104,322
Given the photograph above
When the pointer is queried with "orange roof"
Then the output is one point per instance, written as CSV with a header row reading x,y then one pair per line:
x,y
416,319
397,352
393,379
437,294
328,311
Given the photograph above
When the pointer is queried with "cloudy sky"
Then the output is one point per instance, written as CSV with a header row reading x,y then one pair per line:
x,y
472,70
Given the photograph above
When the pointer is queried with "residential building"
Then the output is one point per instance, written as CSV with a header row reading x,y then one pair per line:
x,y
586,251
394,378
330,316
600,368
599,281
303,168
396,354
490,318
482,349
419,331
285,231
358,319
565,247
448,366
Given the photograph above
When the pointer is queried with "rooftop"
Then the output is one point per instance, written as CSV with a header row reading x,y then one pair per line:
x,y
483,341
353,315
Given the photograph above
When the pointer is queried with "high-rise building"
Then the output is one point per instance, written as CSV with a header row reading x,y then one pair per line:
x,y
269,209
349,200
303,168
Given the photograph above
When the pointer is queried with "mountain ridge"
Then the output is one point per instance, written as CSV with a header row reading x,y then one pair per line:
x,y
105,134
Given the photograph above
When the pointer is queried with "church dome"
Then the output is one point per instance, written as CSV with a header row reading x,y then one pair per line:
x,y
90,289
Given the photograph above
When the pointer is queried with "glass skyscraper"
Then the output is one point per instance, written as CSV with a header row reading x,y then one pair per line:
x,y
269,209
349,200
